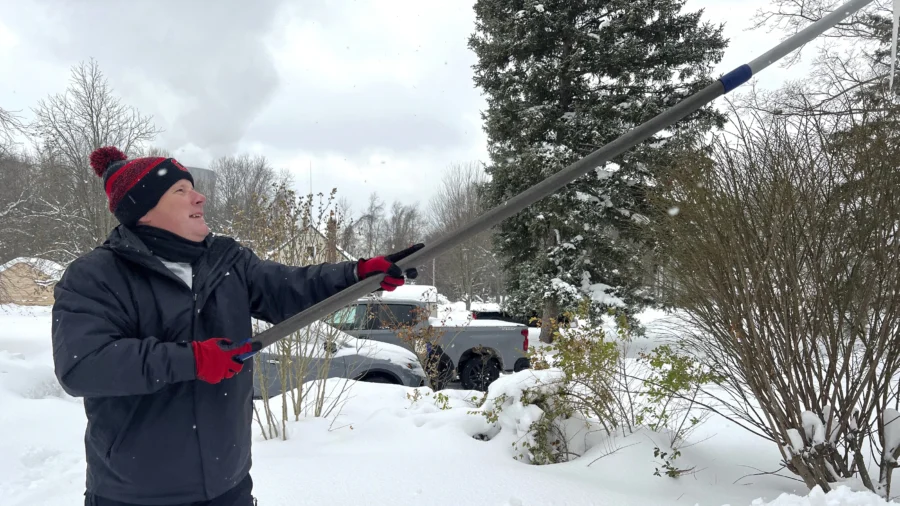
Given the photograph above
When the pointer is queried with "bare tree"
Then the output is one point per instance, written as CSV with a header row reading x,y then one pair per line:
x,y
10,125
784,254
70,126
402,228
347,236
870,24
18,227
240,182
155,151
370,225
854,61
470,269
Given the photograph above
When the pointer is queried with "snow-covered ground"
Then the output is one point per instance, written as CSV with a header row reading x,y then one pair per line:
x,y
384,448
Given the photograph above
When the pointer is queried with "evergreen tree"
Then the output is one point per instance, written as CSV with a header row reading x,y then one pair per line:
x,y
562,78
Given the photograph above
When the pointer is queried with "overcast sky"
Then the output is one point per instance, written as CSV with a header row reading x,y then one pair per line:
x,y
375,96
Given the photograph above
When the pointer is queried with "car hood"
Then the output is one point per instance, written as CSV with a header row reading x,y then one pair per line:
x,y
381,351
311,341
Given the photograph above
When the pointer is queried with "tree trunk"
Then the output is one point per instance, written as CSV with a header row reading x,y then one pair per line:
x,y
551,311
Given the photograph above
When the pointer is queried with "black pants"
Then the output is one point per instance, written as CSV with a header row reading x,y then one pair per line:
x,y
240,495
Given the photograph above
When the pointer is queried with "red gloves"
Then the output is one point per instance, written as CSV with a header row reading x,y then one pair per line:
x,y
385,264
215,360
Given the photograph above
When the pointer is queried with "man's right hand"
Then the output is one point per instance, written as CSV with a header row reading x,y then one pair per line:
x,y
214,359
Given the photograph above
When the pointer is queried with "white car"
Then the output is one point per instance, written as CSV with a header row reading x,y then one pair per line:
x,y
321,351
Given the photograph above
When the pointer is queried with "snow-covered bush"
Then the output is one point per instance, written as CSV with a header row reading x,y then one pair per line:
x,y
582,386
784,258
532,405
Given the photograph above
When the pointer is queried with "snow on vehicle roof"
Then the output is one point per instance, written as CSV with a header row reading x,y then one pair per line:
x,y
422,293
464,320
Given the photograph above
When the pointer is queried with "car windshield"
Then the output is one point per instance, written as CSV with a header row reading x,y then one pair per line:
x,y
343,317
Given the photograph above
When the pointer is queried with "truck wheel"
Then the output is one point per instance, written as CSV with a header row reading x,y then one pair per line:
x,y
522,363
479,372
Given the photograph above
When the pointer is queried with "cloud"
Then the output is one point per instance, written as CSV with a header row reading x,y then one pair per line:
x,y
202,67
339,83
377,115
380,92
377,94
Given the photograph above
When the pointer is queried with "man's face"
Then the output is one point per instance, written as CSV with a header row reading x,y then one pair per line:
x,y
180,211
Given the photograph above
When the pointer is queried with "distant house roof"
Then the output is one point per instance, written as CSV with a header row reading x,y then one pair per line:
x,y
340,250
48,268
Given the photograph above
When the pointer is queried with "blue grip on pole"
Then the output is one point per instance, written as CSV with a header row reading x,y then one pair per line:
x,y
244,356
736,77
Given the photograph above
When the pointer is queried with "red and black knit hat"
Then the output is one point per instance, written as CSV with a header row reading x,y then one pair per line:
x,y
134,187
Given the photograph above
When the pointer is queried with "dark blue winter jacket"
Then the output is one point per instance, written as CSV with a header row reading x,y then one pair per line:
x,y
122,324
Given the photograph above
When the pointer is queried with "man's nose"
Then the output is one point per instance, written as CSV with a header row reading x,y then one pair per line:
x,y
199,198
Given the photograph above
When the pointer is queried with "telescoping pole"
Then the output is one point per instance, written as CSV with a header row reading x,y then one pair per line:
x,y
553,183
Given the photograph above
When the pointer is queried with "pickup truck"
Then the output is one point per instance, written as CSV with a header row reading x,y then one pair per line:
x,y
475,351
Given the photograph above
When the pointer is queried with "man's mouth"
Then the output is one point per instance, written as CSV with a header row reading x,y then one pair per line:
x,y
196,215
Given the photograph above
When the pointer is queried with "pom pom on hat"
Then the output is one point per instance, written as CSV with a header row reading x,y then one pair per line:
x,y
103,157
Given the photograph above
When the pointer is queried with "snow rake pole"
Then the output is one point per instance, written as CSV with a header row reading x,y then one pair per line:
x,y
555,182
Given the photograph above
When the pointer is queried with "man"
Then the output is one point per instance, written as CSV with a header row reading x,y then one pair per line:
x,y
144,329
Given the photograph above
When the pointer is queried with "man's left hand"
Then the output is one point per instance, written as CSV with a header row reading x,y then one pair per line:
x,y
386,265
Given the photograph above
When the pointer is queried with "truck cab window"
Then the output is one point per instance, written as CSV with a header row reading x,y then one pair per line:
x,y
345,319
397,315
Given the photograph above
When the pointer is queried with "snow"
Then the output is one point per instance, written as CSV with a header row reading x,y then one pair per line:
x,y
796,446
424,293
562,287
51,269
891,430
598,292
456,315
465,320
813,427
486,307
841,496
398,446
